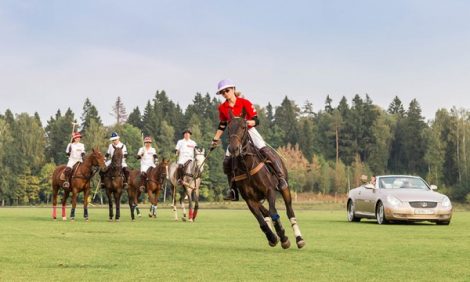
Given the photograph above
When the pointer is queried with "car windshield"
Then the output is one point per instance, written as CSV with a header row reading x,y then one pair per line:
x,y
394,182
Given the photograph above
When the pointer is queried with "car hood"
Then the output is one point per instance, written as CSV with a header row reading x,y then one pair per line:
x,y
409,195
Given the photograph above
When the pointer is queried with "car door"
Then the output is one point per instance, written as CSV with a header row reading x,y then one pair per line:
x,y
359,203
366,200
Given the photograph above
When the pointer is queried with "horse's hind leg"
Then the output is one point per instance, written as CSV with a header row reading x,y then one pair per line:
x,y
256,211
293,221
74,205
285,243
196,203
131,204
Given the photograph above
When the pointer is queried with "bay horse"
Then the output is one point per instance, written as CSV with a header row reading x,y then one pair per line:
x,y
191,183
134,192
256,183
80,182
114,181
155,179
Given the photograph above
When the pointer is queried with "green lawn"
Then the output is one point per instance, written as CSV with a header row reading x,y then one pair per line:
x,y
225,244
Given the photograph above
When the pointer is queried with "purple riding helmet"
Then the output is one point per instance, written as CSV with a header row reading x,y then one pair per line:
x,y
223,84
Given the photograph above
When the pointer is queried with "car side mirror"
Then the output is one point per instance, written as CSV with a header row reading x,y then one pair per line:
x,y
433,187
369,186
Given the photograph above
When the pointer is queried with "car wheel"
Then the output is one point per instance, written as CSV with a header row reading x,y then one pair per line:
x,y
351,216
443,222
380,214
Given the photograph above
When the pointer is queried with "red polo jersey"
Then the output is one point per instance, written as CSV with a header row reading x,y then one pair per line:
x,y
237,109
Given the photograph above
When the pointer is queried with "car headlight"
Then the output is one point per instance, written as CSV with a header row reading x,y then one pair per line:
x,y
446,202
392,200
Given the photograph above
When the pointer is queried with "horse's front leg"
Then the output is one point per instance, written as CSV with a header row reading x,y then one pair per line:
x,y
74,204
190,203
173,194
182,194
117,201
255,209
153,207
86,194
64,202
110,205
55,192
131,200
271,196
291,215
196,202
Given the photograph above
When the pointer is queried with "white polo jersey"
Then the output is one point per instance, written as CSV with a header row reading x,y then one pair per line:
x,y
111,153
147,160
75,150
185,150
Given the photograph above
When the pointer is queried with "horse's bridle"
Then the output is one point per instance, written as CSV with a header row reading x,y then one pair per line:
x,y
242,140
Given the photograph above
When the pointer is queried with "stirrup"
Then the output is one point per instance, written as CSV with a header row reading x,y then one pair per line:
x,y
66,184
231,195
142,188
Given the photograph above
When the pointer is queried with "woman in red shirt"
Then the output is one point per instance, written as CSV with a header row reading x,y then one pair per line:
x,y
237,104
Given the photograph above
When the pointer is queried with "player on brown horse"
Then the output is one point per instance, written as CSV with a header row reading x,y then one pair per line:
x,y
80,182
113,180
154,183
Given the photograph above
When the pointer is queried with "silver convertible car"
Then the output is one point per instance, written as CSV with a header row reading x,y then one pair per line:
x,y
399,198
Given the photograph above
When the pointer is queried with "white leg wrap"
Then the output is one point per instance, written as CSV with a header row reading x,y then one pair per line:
x,y
295,226
269,222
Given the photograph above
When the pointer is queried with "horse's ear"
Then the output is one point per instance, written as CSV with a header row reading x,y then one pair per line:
x,y
243,113
114,147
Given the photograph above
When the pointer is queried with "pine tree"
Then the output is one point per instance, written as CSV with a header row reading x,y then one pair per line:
x,y
119,111
89,113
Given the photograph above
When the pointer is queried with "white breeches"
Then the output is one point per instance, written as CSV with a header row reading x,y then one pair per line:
x,y
108,162
258,141
72,162
144,167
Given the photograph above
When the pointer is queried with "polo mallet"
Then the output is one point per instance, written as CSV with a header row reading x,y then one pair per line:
x,y
74,123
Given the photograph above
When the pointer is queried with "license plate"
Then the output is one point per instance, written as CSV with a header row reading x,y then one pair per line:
x,y
423,211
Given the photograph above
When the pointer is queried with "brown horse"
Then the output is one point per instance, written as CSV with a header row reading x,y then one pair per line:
x,y
256,182
134,192
114,181
80,182
191,183
155,178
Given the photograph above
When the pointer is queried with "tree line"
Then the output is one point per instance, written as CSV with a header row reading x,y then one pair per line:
x,y
325,151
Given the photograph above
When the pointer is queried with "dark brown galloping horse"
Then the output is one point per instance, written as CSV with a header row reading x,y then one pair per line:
x,y
134,192
114,181
155,178
256,183
81,175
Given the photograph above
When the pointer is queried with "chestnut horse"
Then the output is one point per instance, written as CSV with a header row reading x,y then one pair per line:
x,y
80,182
114,181
134,192
154,183
191,183
256,182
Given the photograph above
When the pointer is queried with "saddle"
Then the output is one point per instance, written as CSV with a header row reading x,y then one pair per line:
x,y
74,169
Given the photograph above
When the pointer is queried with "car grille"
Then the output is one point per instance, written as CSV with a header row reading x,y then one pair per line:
x,y
423,204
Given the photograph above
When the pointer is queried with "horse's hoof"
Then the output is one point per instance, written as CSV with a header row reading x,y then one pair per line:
x,y
64,218
286,244
110,220
86,219
191,220
300,242
150,215
54,218
154,216
273,244
183,219
117,220
133,220
72,219
139,215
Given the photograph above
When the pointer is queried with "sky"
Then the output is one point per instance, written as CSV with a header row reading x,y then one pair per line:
x,y
55,54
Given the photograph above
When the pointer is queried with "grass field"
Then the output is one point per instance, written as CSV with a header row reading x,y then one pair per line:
x,y
225,244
